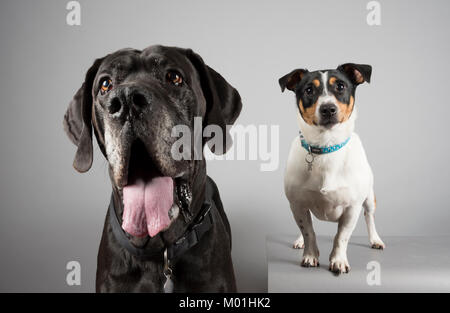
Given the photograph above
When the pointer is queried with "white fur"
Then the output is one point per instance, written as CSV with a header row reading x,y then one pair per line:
x,y
336,189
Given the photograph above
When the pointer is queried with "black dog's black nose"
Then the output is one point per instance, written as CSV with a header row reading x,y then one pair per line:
x,y
127,98
114,105
328,110
139,100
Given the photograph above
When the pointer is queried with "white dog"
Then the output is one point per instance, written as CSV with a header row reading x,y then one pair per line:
x,y
327,171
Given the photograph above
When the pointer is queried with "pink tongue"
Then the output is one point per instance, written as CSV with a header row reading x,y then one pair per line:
x,y
147,205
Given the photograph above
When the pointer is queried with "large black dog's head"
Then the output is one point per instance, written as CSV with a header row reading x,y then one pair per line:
x,y
326,98
131,100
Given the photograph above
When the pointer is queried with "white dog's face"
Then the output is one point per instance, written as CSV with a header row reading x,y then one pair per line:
x,y
326,98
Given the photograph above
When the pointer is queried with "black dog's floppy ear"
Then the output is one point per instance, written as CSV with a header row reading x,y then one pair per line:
x,y
291,80
223,102
78,121
357,73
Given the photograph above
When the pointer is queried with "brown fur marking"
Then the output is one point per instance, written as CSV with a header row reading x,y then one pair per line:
x,y
345,110
309,115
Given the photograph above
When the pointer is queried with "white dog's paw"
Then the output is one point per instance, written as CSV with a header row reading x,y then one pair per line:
x,y
299,243
377,244
339,265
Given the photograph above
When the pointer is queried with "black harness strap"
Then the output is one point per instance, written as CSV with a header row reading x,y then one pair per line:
x,y
190,238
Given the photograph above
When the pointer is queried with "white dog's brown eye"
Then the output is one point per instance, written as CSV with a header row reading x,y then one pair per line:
x,y
340,86
106,86
309,91
175,78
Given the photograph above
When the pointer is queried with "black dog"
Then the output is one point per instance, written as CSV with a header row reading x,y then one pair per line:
x,y
166,229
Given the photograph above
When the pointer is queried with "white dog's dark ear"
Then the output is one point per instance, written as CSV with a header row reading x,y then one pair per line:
x,y
223,102
357,73
78,121
291,80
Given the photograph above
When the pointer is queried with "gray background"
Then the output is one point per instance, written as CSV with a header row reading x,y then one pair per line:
x,y
51,215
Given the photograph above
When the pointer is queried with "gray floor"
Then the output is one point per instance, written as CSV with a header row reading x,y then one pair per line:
x,y
408,264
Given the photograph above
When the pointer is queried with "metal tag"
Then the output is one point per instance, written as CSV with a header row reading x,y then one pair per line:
x,y
167,271
309,158
168,285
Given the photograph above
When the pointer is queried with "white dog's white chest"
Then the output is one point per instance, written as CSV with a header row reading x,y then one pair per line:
x,y
337,181
326,205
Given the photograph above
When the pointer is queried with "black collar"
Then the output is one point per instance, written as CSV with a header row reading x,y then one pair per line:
x,y
190,238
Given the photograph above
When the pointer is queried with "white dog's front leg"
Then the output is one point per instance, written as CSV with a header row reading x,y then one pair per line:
x,y
338,257
369,210
311,252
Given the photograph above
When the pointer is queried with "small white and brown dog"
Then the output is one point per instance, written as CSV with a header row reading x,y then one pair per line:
x,y
327,170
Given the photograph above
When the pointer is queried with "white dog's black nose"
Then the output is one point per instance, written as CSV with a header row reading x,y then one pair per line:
x,y
328,110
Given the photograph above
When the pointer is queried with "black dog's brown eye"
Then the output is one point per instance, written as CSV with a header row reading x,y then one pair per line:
x,y
106,86
340,86
175,78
